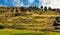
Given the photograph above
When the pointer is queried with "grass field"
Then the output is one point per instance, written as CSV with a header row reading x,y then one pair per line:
x,y
25,32
26,22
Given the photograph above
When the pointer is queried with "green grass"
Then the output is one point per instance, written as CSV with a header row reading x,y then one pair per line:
x,y
25,32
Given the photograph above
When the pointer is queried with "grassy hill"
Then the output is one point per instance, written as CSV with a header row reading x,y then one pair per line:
x,y
29,20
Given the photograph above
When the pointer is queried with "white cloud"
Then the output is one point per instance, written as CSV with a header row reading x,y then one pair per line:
x,y
31,1
21,4
16,2
1,5
44,1
52,3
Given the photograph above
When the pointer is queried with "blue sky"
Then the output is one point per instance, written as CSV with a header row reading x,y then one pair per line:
x,y
48,3
18,3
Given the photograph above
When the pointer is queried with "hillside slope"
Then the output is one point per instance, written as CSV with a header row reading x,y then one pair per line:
x,y
29,20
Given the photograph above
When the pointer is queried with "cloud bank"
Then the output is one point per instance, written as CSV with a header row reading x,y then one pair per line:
x,y
31,1
51,3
